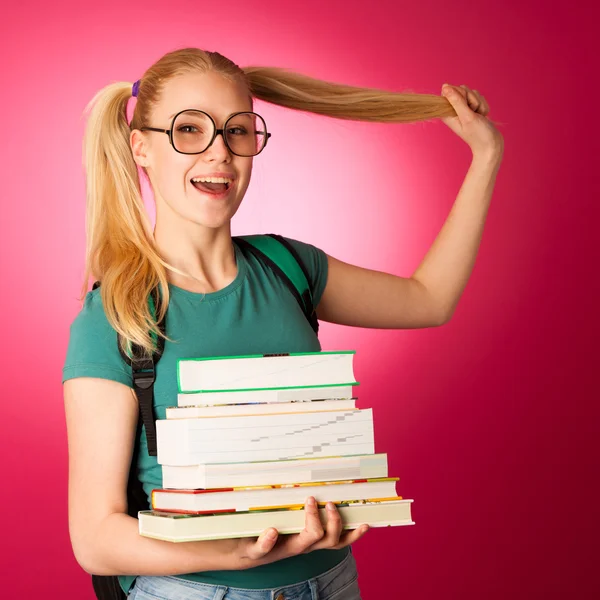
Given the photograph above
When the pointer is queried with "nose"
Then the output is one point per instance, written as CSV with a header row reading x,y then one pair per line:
x,y
218,147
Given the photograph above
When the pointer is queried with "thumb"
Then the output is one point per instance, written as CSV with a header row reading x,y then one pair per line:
x,y
458,102
264,544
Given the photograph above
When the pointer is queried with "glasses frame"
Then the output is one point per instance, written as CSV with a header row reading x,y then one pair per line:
x,y
216,131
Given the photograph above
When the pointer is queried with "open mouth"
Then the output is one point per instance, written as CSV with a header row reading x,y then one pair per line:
x,y
210,187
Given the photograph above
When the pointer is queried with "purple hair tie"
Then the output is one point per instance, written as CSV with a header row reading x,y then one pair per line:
x,y
131,102
136,88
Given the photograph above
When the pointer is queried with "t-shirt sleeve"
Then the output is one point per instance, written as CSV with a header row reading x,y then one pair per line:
x,y
315,262
92,350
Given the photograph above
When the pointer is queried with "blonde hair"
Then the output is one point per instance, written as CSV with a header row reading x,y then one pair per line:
x,y
120,250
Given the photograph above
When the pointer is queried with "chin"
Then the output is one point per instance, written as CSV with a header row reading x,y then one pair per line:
x,y
214,221
214,217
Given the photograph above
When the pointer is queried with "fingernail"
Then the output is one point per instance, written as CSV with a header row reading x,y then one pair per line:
x,y
271,535
330,506
311,501
364,529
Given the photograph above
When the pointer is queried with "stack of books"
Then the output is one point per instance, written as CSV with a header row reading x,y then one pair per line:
x,y
253,436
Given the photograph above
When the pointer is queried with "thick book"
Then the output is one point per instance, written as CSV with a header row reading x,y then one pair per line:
x,y
295,394
266,371
191,412
302,470
264,437
173,527
241,499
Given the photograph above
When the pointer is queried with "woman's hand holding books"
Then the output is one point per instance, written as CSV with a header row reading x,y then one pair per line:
x,y
270,546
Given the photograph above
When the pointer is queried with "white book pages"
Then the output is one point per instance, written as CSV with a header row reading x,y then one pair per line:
x,y
252,373
191,412
335,392
222,475
263,437
363,445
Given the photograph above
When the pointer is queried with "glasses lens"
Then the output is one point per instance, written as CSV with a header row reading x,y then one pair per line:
x,y
246,133
192,132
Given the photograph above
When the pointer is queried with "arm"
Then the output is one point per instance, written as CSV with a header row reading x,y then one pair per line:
x,y
101,420
367,298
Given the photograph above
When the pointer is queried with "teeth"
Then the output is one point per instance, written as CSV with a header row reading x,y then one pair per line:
x,y
213,179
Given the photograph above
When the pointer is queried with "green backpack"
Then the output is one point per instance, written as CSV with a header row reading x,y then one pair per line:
x,y
274,251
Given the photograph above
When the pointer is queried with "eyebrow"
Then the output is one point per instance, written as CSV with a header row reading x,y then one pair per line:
x,y
176,112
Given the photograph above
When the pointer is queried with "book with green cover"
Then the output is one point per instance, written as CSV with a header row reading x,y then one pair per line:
x,y
266,372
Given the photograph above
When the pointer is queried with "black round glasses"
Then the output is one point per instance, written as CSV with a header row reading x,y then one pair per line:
x,y
193,131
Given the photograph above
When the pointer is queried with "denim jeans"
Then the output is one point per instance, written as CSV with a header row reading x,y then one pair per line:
x,y
339,583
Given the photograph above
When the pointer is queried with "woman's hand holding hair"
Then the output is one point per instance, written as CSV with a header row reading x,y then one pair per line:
x,y
471,123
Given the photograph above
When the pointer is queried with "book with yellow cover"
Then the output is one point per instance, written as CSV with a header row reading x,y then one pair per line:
x,y
236,499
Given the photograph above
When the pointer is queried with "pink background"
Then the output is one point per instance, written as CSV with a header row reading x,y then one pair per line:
x,y
489,421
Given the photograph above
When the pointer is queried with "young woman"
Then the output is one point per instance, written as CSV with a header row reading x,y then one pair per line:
x,y
192,121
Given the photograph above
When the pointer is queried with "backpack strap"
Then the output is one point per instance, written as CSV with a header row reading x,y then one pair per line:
x,y
143,370
107,587
282,258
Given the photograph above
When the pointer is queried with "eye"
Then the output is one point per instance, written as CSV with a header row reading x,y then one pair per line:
x,y
187,128
237,131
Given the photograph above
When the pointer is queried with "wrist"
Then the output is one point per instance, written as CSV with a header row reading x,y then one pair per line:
x,y
490,159
491,151
236,558
225,554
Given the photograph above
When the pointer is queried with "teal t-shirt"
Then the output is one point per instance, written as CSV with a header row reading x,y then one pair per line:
x,y
255,314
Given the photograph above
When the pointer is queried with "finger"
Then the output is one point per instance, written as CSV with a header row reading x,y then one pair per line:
x,y
312,521
460,89
483,108
472,98
313,528
333,528
458,102
456,88
485,105
448,88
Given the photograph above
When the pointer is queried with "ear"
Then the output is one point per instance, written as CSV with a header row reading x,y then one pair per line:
x,y
139,148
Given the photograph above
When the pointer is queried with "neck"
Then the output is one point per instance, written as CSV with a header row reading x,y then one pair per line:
x,y
204,257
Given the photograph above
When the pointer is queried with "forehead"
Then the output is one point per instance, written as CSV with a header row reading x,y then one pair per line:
x,y
210,92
